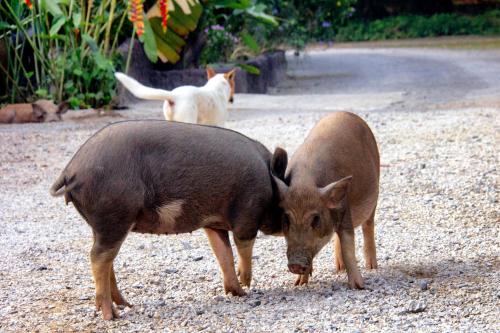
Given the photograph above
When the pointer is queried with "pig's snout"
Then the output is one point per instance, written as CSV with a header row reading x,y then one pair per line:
x,y
299,269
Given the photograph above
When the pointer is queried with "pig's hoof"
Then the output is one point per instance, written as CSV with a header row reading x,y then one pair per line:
x,y
235,290
339,265
122,302
302,279
245,278
371,263
356,283
108,310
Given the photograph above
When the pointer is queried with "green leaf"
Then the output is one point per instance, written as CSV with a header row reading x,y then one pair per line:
x,y
148,38
242,4
57,24
250,42
68,84
91,42
51,6
100,60
42,93
257,11
6,26
77,72
249,68
77,19
75,102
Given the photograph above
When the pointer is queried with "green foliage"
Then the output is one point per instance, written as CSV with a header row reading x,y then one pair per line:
x,y
232,30
168,45
65,50
414,26
88,80
220,45
305,21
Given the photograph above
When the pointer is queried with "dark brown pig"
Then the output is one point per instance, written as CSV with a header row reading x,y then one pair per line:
x,y
331,187
166,178
39,112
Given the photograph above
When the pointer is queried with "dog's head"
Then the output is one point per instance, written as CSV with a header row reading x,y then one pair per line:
x,y
229,76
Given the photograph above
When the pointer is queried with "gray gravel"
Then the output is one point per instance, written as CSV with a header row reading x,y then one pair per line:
x,y
437,232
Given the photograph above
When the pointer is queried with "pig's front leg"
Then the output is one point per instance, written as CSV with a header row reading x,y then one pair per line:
x,y
346,236
245,249
303,278
219,241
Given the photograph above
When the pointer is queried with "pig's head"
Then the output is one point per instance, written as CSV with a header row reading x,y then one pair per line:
x,y
309,217
46,111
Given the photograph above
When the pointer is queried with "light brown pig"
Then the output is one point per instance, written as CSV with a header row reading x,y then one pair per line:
x,y
41,111
331,186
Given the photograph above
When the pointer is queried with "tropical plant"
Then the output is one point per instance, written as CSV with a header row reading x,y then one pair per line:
x,y
168,24
67,49
61,49
165,26
230,28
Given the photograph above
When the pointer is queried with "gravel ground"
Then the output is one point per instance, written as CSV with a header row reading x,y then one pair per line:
x,y
437,232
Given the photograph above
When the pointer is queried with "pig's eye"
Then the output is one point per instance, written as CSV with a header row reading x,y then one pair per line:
x,y
315,221
286,222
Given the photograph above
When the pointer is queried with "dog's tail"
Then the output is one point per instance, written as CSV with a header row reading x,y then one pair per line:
x,y
141,91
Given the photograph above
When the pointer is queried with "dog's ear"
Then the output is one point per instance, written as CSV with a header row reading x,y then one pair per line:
x,y
230,75
210,72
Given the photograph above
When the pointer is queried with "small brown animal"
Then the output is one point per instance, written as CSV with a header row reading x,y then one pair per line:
x,y
39,112
166,178
331,186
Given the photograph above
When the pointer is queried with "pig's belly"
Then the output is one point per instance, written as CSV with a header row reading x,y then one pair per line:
x,y
172,219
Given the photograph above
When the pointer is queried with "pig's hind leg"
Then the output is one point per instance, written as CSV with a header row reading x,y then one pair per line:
x,y
369,242
103,252
116,296
339,261
219,241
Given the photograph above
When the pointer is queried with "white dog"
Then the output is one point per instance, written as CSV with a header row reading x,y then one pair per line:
x,y
199,105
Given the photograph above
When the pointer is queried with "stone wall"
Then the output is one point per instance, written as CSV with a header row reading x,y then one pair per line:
x,y
272,68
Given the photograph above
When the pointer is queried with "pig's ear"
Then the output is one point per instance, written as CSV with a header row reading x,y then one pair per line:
x,y
278,165
280,186
38,112
333,194
210,72
62,107
279,162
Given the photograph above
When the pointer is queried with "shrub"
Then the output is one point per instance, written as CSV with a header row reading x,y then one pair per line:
x,y
304,21
414,26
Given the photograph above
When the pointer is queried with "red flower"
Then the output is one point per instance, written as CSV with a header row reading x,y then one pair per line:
x,y
28,3
136,15
164,14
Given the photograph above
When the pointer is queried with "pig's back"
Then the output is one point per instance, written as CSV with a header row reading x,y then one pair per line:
x,y
342,144
148,163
